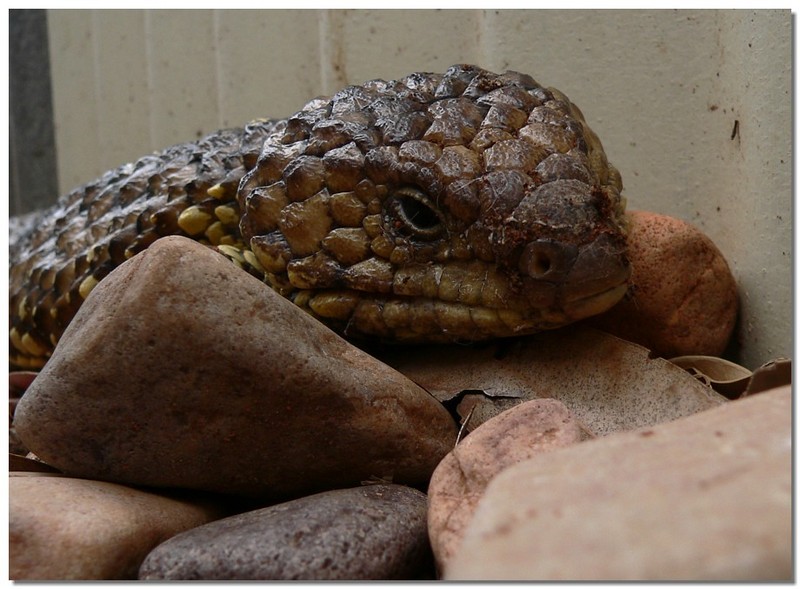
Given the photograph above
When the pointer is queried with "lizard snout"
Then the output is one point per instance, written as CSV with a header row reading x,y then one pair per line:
x,y
599,266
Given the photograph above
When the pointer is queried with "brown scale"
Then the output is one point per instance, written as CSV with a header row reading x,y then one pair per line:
x,y
438,207
470,167
95,228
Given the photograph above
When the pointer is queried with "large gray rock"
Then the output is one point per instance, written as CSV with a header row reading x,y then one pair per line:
x,y
181,370
704,498
62,529
374,532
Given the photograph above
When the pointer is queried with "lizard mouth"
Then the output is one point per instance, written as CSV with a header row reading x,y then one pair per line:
x,y
549,285
426,319
431,320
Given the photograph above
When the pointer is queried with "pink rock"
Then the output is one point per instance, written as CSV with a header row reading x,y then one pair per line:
x,y
458,483
702,498
683,298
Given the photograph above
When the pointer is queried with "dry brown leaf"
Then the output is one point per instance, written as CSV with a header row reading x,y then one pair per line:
x,y
723,376
609,384
17,463
736,381
769,376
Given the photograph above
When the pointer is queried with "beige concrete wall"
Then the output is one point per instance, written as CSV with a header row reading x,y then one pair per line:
x,y
663,89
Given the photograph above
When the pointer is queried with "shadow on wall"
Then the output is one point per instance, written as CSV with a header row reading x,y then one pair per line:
x,y
33,176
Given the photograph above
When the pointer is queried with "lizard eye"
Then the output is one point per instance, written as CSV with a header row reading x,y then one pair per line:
x,y
412,213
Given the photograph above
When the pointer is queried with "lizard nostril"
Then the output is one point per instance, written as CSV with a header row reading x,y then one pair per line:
x,y
539,264
547,260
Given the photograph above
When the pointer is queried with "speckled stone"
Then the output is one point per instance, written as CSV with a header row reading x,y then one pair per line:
x,y
683,299
181,370
374,532
703,498
62,528
459,481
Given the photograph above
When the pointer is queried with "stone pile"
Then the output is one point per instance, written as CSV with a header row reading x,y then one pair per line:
x,y
704,498
202,427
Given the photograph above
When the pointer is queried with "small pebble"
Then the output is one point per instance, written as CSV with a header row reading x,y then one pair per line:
x,y
459,481
683,299
72,529
374,532
703,498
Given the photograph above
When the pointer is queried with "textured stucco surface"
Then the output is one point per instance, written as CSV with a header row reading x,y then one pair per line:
x,y
663,89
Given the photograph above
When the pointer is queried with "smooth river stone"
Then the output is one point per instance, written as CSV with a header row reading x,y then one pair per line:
x,y
375,532
182,370
703,498
458,483
72,529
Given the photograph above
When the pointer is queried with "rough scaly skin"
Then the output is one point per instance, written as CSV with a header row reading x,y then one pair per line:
x,y
438,207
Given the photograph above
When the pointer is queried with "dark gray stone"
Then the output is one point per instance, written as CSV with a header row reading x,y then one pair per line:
x,y
375,532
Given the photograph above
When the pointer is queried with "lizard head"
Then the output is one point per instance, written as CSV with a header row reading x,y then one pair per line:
x,y
459,206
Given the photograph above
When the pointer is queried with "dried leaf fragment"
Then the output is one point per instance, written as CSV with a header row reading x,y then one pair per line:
x,y
773,374
609,384
722,375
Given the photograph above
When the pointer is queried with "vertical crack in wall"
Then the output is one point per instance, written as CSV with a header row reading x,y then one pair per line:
x,y
333,70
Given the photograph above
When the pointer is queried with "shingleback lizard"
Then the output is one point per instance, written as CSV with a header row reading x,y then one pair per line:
x,y
438,207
